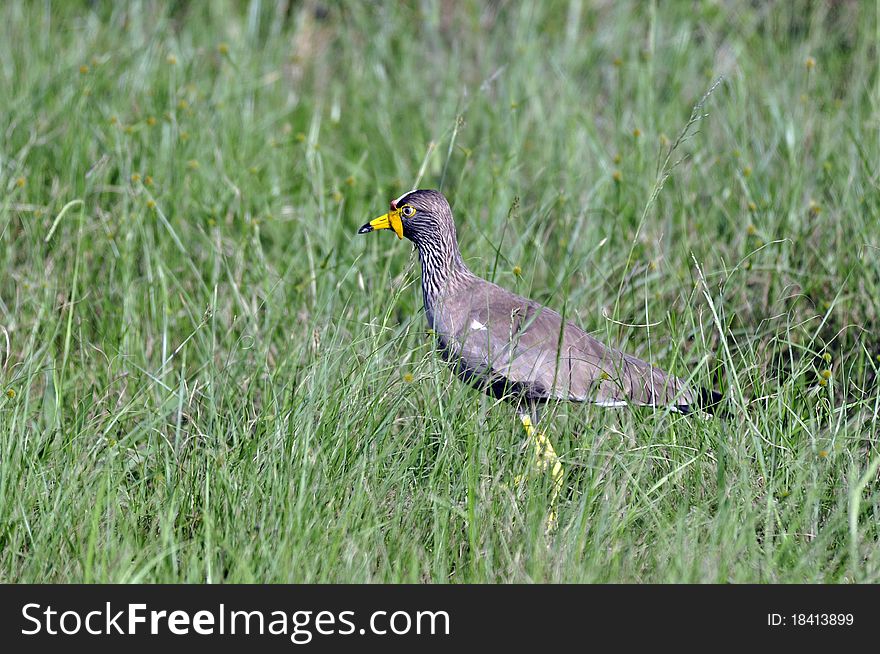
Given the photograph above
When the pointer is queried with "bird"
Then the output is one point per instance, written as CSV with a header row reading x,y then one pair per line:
x,y
516,349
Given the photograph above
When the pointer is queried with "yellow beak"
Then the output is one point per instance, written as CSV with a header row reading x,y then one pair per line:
x,y
390,220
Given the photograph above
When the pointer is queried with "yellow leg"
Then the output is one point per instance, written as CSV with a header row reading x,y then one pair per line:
x,y
546,459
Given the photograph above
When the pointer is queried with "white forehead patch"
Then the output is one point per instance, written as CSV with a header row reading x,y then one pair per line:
x,y
477,326
395,203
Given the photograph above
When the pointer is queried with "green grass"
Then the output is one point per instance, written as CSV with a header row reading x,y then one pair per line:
x,y
208,377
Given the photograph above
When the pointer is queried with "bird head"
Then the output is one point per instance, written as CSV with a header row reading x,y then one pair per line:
x,y
414,215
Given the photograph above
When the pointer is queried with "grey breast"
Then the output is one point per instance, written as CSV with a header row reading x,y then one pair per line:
x,y
505,343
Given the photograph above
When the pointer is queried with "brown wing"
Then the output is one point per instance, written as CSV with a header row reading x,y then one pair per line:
x,y
500,339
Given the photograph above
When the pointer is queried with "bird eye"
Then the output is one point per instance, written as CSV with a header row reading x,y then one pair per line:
x,y
408,211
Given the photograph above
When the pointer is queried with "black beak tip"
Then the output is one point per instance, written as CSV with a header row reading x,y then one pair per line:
x,y
366,229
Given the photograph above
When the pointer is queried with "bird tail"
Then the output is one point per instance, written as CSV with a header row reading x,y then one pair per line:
x,y
705,400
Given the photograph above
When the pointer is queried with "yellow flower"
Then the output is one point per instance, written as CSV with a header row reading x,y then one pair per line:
x,y
815,209
151,121
823,382
172,60
637,132
223,48
826,374
300,137
337,196
747,171
113,120
183,104
349,180
135,178
751,230
517,270
810,63
616,176
10,393
20,182
617,158
83,69
192,164
823,453
148,180
151,204
618,62
753,206
827,357
184,136
408,378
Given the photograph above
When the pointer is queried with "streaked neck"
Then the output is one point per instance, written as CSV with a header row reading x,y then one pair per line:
x,y
443,270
